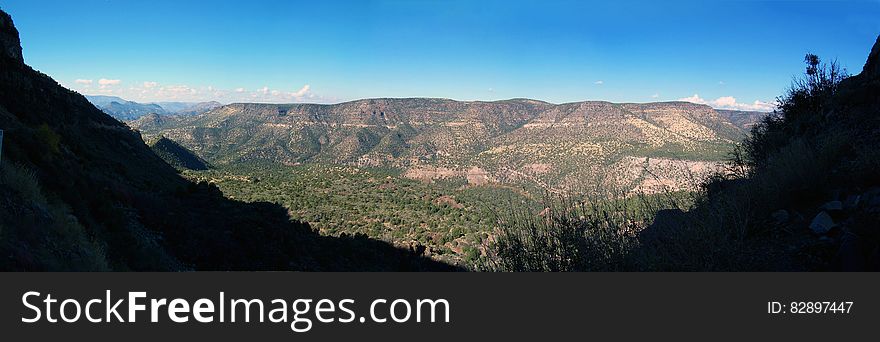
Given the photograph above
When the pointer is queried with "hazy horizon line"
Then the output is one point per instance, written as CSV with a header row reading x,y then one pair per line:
x,y
430,98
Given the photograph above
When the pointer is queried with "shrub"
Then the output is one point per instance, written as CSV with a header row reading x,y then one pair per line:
x,y
50,140
41,234
592,233
801,111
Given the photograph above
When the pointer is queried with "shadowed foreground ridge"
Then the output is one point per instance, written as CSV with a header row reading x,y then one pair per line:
x,y
802,192
81,191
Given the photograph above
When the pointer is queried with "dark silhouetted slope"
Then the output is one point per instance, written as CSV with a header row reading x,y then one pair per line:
x,y
803,192
177,156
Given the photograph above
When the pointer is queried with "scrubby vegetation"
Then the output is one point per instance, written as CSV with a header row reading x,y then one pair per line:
x,y
450,220
596,232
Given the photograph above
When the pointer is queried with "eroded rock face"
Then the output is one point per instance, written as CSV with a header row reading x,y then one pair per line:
x,y
10,45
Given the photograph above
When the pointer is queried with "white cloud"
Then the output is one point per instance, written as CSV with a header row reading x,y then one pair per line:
x,y
762,106
175,89
106,82
729,102
693,99
599,82
156,91
302,91
655,96
725,101
721,83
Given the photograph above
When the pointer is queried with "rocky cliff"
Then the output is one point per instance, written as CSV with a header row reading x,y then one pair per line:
x,y
872,66
9,41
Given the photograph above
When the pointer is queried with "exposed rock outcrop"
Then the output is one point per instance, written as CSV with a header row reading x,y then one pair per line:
x,y
10,45
872,66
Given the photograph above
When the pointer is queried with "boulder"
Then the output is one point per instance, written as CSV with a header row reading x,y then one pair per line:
x,y
869,197
852,201
822,223
832,206
780,216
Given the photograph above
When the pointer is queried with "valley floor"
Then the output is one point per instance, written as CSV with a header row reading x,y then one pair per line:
x,y
447,220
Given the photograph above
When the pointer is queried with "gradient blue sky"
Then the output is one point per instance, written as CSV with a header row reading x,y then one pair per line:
x,y
329,51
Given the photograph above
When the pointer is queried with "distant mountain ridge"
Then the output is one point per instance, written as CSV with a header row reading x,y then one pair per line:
x,y
188,108
499,141
125,110
741,118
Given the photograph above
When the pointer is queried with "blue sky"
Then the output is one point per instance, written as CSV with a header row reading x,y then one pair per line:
x,y
727,53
